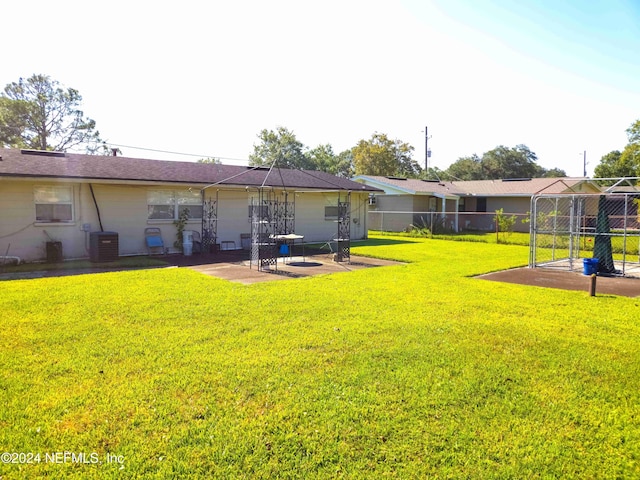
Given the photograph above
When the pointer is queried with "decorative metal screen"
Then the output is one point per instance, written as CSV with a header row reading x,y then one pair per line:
x,y
344,230
271,215
209,221
565,229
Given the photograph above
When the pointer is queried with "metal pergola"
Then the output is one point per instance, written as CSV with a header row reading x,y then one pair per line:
x,y
272,214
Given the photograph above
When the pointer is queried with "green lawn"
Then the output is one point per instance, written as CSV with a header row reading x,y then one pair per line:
x,y
410,371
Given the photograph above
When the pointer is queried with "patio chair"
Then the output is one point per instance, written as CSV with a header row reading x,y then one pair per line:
x,y
328,246
153,238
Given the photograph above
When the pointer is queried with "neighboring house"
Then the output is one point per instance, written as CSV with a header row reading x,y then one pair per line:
x,y
63,197
459,205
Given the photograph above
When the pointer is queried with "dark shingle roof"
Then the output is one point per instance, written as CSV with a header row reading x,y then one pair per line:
x,y
29,163
508,187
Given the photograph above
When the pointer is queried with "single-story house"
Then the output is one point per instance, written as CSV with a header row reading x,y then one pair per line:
x,y
459,205
61,198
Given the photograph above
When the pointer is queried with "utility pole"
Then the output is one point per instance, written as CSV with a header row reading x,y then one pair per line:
x,y
584,159
427,153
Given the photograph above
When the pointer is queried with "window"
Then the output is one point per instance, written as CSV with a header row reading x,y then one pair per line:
x,y
54,204
189,199
169,204
261,211
481,204
331,212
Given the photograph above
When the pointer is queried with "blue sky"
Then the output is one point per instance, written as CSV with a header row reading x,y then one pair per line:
x,y
204,77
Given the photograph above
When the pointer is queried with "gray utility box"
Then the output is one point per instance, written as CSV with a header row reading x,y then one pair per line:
x,y
103,246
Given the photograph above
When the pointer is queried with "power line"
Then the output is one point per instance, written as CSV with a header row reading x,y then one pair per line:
x,y
175,153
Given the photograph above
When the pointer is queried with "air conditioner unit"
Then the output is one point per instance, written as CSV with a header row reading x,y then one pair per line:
x,y
103,246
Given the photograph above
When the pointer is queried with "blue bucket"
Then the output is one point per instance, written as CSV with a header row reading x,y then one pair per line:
x,y
589,266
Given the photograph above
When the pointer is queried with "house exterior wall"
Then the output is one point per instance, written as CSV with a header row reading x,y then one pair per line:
x,y
26,238
471,219
391,210
311,221
233,216
123,209
397,213
402,207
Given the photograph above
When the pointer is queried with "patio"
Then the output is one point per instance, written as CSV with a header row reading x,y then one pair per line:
x,y
235,266
231,265
567,280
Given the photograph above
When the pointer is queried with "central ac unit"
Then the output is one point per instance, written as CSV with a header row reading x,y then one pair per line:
x,y
103,246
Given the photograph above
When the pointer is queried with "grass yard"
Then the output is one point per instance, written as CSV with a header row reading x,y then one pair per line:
x,y
619,244
411,371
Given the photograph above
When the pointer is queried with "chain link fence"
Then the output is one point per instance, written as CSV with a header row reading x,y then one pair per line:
x,y
566,229
439,223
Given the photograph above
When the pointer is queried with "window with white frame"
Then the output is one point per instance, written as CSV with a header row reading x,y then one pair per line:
x,y
261,211
169,204
331,212
54,204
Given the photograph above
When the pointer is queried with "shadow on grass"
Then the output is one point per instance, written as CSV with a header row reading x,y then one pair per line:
x,y
76,267
375,242
323,248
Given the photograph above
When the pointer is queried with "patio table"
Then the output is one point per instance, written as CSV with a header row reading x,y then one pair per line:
x,y
290,240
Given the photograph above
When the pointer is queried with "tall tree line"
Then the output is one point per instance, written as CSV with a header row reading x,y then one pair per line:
x,y
39,113
625,163
381,155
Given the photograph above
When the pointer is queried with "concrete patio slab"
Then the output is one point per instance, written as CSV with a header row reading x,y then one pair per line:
x,y
297,267
566,280
233,266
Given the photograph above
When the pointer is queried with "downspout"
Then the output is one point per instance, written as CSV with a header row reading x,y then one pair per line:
x,y
95,202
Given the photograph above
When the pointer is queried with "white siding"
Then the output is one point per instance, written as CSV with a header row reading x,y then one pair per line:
x,y
123,209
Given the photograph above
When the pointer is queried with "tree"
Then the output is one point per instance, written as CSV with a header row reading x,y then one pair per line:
x,y
611,166
552,173
504,224
631,158
323,159
631,153
344,164
433,173
213,160
281,147
40,114
382,156
501,162
618,164
633,133
466,168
